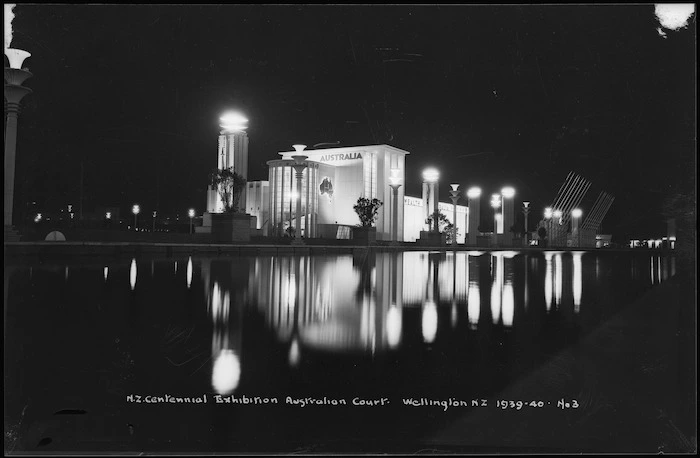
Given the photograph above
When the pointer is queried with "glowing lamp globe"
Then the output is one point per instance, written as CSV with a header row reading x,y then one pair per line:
x,y
474,192
431,175
576,212
16,57
548,212
508,192
233,122
557,213
495,200
226,372
191,212
136,209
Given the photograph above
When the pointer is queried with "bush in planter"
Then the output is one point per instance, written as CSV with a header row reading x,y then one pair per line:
x,y
229,185
367,210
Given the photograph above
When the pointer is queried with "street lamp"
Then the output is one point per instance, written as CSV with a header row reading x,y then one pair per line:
x,y
575,218
454,196
474,196
508,213
557,215
395,184
154,220
191,215
135,210
526,211
37,218
430,179
548,218
496,204
15,75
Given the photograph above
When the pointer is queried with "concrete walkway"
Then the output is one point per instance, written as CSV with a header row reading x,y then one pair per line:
x,y
633,377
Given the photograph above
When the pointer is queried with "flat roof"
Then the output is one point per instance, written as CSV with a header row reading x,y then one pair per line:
x,y
345,149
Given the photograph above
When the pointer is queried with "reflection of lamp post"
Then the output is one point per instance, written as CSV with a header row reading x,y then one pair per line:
x,y
496,204
299,166
430,179
395,184
135,210
526,211
575,217
454,195
191,215
548,223
15,75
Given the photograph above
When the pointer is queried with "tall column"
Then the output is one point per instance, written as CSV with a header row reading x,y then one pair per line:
x,y
508,216
435,207
454,196
426,199
526,211
575,234
14,92
495,204
474,196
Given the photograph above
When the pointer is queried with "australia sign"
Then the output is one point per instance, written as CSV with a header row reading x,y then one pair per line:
x,y
339,157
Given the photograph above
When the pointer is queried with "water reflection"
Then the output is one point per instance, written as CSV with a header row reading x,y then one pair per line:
x,y
577,280
474,294
189,272
132,274
106,272
373,302
225,296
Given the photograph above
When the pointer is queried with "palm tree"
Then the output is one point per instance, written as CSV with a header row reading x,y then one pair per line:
x,y
229,185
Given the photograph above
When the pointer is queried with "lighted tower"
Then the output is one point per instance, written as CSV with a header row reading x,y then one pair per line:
x,y
233,152
15,75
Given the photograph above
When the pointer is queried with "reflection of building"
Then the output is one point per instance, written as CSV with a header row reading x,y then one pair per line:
x,y
322,304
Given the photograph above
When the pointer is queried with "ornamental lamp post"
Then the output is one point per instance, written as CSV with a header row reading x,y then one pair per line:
x,y
526,211
454,196
557,214
190,213
430,179
548,222
474,199
135,210
496,204
508,213
15,75
299,166
395,184
575,218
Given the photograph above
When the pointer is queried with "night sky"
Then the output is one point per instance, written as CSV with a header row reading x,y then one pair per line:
x,y
490,95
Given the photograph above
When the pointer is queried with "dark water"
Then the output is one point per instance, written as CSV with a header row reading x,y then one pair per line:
x,y
86,339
